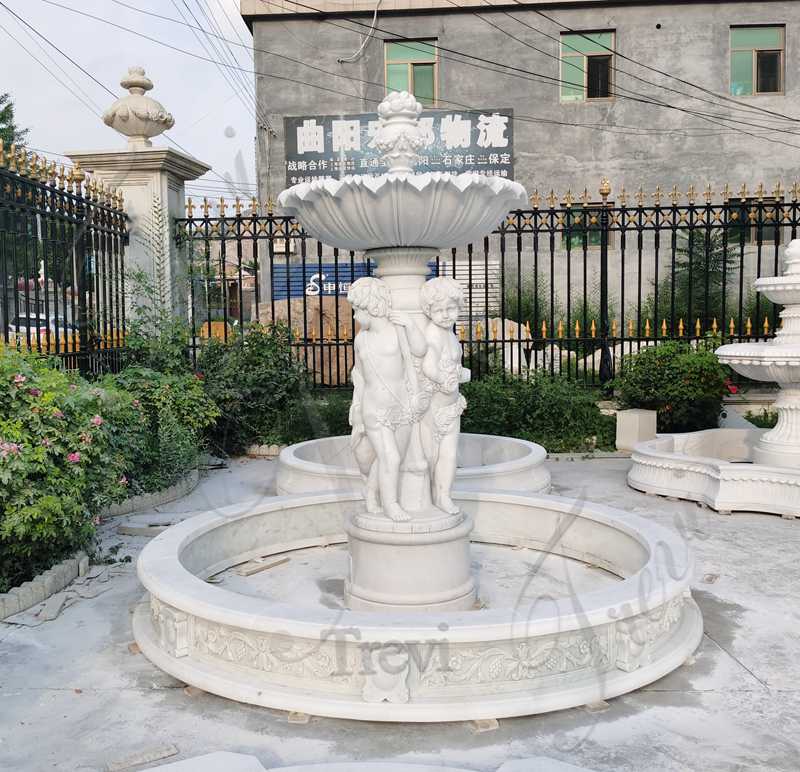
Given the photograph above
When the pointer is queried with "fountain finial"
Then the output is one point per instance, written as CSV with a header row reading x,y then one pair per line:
x,y
792,258
399,136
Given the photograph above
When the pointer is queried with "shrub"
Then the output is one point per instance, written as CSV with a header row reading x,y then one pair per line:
x,y
321,414
765,419
58,465
558,413
163,443
255,382
685,386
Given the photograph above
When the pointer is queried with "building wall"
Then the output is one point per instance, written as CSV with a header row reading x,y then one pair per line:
x,y
692,43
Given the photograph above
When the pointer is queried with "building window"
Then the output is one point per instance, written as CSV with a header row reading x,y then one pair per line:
x,y
587,65
748,214
411,66
757,60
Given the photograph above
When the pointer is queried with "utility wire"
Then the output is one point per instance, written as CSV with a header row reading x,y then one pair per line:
x,y
637,131
615,68
85,72
691,84
50,72
621,93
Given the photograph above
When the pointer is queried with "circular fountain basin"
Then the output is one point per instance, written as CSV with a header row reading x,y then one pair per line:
x,y
769,361
577,603
485,463
715,467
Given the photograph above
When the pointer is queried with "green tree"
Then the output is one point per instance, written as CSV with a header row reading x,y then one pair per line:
x,y
9,131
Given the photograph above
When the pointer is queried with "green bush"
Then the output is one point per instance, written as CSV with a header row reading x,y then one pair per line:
x,y
58,463
163,443
558,413
256,382
319,414
766,419
685,386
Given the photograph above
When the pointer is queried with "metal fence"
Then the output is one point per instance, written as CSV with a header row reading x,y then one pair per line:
x,y
62,248
570,286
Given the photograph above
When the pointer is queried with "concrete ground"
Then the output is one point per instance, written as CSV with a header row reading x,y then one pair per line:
x,y
74,696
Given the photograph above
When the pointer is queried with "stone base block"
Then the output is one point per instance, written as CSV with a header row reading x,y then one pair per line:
x,y
408,570
634,426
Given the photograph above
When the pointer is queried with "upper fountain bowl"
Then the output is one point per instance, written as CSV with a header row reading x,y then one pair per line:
x,y
400,208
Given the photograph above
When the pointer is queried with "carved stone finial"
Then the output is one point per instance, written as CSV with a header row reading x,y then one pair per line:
x,y
137,116
399,136
792,258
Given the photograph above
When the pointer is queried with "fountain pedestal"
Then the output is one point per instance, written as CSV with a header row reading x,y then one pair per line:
x,y
421,565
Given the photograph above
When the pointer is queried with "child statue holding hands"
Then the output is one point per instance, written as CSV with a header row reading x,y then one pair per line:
x,y
441,300
384,393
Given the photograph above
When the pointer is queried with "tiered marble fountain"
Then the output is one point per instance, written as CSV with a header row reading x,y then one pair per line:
x,y
753,470
413,600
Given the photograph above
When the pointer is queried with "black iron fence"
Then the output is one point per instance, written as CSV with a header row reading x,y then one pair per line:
x,y
570,286
62,253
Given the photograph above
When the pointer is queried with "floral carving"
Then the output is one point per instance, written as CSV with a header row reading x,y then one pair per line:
x,y
275,654
520,661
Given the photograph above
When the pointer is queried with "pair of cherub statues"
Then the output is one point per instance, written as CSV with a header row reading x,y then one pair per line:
x,y
406,377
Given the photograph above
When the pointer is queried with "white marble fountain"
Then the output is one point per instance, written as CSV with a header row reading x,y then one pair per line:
x,y
753,470
413,599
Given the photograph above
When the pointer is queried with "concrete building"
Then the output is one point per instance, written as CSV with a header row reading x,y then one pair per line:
x,y
581,76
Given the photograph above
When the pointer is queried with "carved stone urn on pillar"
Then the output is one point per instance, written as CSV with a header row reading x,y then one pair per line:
x,y
410,549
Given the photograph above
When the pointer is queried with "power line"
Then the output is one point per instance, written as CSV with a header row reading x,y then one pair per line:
x,y
691,84
637,131
632,95
613,66
49,71
87,73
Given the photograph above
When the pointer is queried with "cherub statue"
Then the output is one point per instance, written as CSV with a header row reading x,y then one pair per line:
x,y
441,300
385,393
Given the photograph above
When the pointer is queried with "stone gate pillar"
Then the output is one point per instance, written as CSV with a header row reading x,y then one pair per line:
x,y
152,182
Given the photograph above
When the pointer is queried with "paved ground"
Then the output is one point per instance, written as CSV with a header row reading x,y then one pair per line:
x,y
73,696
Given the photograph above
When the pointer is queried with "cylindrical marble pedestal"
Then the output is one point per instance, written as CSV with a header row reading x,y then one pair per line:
x,y
781,445
419,565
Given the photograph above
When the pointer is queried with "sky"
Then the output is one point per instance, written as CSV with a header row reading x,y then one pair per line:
x,y
212,123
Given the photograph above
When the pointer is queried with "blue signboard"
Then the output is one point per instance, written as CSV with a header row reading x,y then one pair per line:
x,y
315,279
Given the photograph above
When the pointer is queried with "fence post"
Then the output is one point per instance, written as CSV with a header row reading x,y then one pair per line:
x,y
606,366
79,256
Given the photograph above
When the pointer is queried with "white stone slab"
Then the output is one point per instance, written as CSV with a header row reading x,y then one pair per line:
x,y
221,761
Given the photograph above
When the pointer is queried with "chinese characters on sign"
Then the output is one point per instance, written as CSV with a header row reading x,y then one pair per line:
x,y
464,141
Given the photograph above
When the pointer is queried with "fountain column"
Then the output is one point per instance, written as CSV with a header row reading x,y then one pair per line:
x,y
777,360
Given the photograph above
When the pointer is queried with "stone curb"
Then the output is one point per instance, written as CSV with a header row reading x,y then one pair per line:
x,y
264,451
149,500
588,455
41,587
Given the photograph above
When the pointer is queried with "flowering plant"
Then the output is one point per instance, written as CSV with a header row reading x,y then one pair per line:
x,y
57,470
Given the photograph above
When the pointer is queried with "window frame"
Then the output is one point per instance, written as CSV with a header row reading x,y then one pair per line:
x,y
580,230
751,228
605,53
754,59
410,65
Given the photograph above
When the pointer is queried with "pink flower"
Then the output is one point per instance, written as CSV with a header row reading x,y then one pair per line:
x,y
74,458
136,403
19,378
8,448
47,442
35,392
123,480
58,413
72,387
97,421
